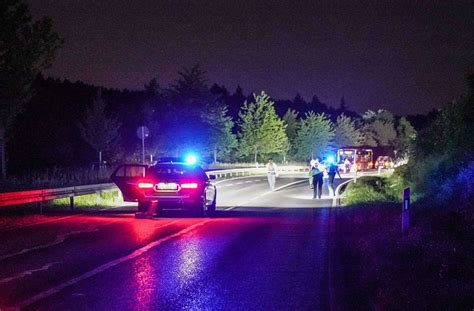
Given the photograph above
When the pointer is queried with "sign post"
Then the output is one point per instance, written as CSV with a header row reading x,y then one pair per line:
x,y
406,210
142,133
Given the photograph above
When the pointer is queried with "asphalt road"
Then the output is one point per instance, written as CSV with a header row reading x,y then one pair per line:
x,y
262,250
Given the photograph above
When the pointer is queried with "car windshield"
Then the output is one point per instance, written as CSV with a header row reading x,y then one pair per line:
x,y
178,170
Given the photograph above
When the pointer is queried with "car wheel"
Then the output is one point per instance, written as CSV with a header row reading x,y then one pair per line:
x,y
200,208
143,207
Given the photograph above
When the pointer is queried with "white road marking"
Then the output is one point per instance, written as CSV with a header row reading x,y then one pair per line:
x,y
39,223
28,272
232,179
59,239
107,266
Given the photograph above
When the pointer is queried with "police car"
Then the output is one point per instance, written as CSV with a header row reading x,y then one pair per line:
x,y
172,183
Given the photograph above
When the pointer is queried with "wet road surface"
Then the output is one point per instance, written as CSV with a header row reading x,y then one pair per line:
x,y
262,250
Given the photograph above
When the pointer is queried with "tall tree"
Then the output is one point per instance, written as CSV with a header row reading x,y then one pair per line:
x,y
346,132
378,128
235,102
26,48
292,125
315,136
300,104
261,130
207,128
221,139
188,99
342,105
100,131
406,135
317,106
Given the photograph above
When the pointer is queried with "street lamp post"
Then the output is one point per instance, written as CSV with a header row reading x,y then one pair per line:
x,y
142,133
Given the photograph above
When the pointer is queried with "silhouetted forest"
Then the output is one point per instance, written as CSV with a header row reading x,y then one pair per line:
x,y
47,132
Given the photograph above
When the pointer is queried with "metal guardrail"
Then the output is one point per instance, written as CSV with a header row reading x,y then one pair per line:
x,y
32,196
336,201
256,171
37,196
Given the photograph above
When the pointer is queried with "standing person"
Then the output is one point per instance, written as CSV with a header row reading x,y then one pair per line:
x,y
316,178
272,173
332,171
347,165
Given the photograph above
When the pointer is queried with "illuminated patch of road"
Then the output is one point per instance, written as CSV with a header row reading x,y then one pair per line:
x,y
264,194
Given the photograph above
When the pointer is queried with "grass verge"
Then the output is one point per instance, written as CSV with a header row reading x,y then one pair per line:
x,y
374,189
105,199
91,201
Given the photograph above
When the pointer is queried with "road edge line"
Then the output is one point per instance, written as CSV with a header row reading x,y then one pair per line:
x,y
136,253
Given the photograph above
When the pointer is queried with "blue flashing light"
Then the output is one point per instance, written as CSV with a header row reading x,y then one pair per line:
x,y
191,159
330,159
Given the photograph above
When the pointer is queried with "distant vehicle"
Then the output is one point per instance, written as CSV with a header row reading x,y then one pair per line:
x,y
384,162
361,157
173,182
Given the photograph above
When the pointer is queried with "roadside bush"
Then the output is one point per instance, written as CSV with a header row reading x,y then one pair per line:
x,y
458,188
373,189
441,163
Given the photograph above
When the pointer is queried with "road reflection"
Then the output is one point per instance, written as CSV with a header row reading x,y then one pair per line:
x,y
144,277
190,258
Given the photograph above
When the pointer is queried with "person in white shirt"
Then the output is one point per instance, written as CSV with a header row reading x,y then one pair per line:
x,y
316,178
272,173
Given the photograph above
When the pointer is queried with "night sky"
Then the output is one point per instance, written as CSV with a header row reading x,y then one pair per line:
x,y
408,57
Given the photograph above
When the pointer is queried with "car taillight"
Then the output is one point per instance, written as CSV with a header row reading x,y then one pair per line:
x,y
189,185
145,185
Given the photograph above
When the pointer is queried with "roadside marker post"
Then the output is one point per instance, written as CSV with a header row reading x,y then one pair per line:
x,y
406,210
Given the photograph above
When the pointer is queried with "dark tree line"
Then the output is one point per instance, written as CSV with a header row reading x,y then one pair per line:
x,y
69,123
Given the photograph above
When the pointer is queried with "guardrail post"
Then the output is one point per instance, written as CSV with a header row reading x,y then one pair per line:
x,y
71,203
406,210
97,197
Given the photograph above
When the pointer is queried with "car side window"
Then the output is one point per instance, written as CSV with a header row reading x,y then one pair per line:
x,y
120,172
134,171
203,175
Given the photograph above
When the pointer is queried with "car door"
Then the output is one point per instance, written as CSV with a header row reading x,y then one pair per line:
x,y
126,177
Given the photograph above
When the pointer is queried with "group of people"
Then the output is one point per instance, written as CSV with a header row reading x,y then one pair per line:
x,y
316,174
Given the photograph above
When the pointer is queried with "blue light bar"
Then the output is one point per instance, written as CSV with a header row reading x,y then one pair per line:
x,y
191,159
